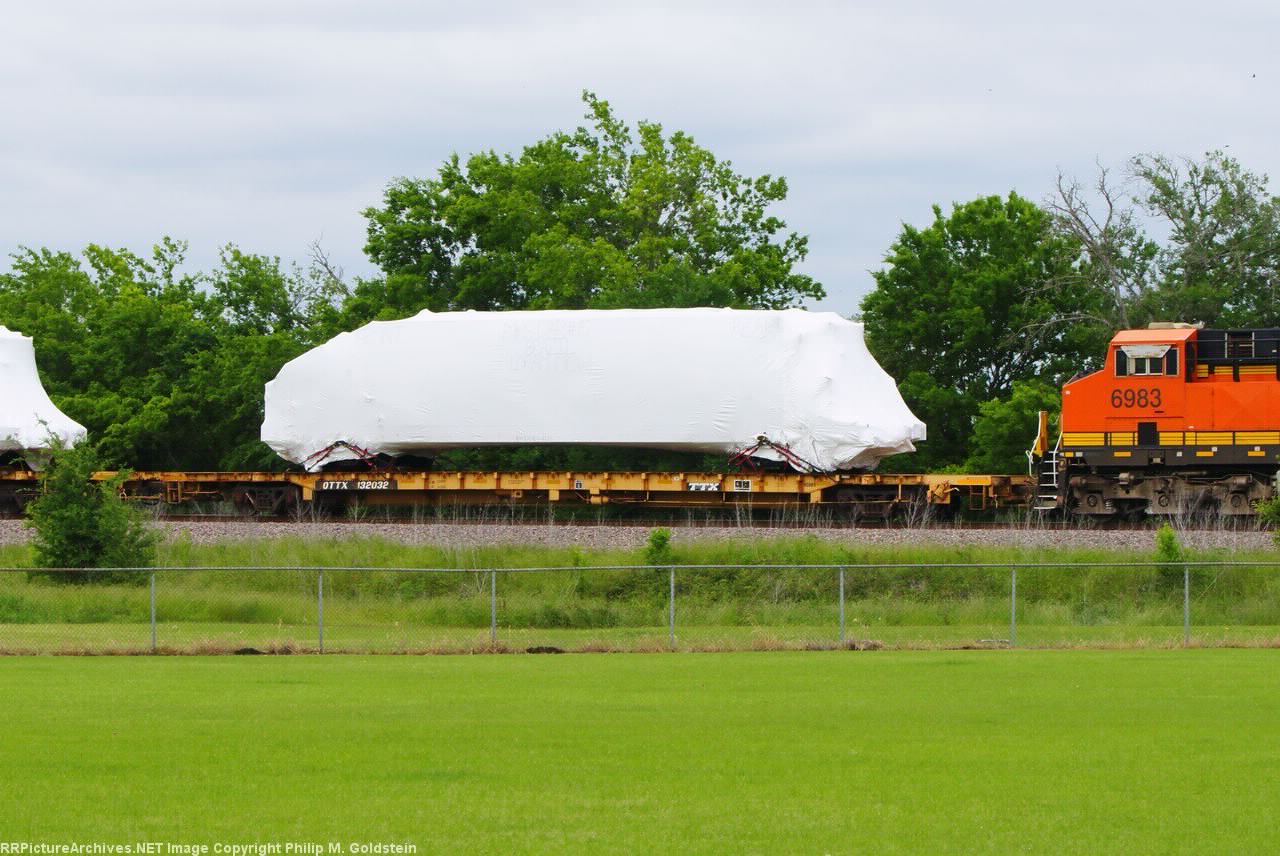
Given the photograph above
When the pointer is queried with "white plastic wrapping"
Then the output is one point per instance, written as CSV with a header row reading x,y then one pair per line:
x,y
28,419
705,380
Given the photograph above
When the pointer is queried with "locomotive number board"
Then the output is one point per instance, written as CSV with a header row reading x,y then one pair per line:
x,y
1135,398
356,484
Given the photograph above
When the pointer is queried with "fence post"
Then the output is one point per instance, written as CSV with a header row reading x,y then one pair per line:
x,y
842,606
493,608
1013,608
1186,605
320,613
153,612
672,609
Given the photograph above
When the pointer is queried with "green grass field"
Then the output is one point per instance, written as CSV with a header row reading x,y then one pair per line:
x,y
824,752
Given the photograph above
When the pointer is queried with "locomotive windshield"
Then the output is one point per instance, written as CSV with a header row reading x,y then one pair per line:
x,y
1146,360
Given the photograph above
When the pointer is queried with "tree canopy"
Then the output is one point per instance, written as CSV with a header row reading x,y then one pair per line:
x,y
1219,260
1221,264
603,217
977,312
166,370
958,315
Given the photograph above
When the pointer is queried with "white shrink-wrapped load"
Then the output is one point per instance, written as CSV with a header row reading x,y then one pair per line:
x,y
28,419
702,380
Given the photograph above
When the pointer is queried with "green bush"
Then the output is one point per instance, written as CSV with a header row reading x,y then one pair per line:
x,y
1170,555
658,550
80,523
1269,513
1168,547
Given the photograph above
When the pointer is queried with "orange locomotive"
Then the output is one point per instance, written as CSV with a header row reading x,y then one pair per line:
x,y
1181,419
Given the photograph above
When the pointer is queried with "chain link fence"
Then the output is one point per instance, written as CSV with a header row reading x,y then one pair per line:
x,y
636,608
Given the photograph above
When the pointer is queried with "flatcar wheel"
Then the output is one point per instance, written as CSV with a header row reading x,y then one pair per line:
x,y
268,501
242,501
290,501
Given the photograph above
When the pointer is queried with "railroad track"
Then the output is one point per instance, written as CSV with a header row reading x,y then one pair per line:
x,y
1078,525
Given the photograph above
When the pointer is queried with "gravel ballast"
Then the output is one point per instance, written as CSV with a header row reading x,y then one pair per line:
x,y
453,535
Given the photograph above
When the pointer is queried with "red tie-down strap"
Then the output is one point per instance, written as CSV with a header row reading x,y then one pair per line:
x,y
363,455
744,456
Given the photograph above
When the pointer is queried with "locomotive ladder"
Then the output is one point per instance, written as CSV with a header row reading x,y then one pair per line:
x,y
1049,489
1049,494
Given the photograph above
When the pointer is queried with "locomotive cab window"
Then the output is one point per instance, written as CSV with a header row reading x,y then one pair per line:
x,y
1146,360
1147,366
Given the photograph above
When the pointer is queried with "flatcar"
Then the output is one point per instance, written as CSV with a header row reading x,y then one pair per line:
x,y
1179,420
300,496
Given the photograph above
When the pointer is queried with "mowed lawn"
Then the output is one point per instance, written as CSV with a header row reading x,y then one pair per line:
x,y
810,752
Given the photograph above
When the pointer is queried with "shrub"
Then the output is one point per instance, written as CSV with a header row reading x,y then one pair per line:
x,y
1168,547
1170,554
80,523
1269,513
658,550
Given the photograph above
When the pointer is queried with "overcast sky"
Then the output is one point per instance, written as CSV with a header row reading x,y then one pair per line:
x,y
272,124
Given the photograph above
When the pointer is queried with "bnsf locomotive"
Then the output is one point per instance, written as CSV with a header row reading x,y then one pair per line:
x,y
1180,420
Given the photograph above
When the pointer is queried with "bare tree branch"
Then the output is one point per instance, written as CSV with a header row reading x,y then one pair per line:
x,y
321,263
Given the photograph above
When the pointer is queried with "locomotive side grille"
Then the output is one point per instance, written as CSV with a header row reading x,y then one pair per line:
x,y
1173,438
1088,439
1260,438
1172,448
1209,438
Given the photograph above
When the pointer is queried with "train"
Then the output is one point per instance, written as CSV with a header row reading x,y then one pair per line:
x,y
1180,420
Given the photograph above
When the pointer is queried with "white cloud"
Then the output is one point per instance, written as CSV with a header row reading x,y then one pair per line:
x,y
270,124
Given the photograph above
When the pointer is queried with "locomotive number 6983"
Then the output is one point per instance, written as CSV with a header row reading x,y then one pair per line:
x,y
1135,398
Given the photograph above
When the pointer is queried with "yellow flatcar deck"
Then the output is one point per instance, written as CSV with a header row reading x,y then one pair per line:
x,y
273,491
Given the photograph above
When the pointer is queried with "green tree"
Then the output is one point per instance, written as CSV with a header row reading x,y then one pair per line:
x,y
1005,428
1220,261
603,217
1221,264
165,369
82,524
263,316
966,306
